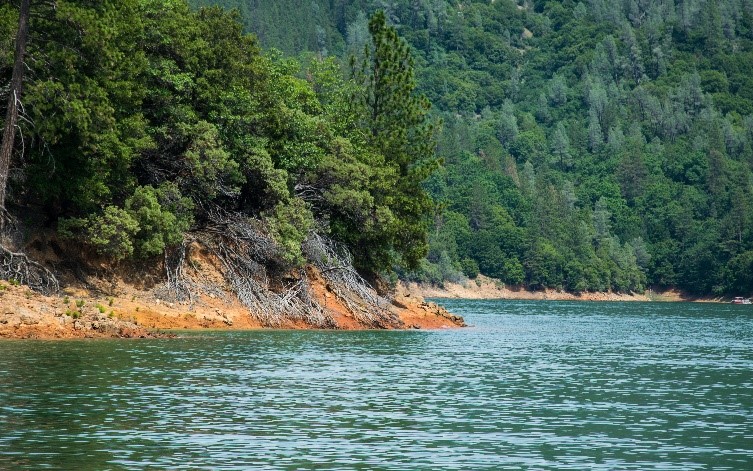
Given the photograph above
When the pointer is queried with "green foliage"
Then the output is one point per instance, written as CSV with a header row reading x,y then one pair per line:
x,y
162,215
587,145
151,220
470,267
111,233
152,116
396,120
289,225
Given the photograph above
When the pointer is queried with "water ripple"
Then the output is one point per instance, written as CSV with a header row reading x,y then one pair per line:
x,y
534,385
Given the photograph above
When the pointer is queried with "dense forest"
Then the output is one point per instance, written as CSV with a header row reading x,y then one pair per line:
x,y
597,145
602,144
143,125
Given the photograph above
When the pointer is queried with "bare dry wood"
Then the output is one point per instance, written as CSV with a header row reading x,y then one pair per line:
x,y
18,267
336,265
177,287
245,250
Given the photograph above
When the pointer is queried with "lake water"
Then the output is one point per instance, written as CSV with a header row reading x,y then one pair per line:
x,y
532,385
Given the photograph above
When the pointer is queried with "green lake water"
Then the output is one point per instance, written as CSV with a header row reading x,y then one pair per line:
x,y
532,385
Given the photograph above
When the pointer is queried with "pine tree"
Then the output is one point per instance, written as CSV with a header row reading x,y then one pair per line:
x,y
396,118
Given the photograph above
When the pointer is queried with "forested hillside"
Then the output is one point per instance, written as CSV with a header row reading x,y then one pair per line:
x,y
143,126
603,144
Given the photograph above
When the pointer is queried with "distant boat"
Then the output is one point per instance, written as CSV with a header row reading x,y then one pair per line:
x,y
740,300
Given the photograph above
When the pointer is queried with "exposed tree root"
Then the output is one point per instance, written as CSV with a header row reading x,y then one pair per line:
x,y
245,249
336,266
17,266
247,253
177,287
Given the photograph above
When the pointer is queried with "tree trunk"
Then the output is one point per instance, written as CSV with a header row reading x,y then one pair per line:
x,y
14,97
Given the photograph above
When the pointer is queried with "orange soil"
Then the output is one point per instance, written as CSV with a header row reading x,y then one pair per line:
x,y
119,308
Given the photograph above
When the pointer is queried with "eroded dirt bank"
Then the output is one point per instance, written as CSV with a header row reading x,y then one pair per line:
x,y
120,309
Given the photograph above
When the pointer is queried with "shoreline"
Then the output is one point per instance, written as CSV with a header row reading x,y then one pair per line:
x,y
485,288
128,312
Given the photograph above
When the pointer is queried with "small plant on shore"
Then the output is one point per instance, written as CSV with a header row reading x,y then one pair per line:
x,y
3,287
80,303
14,282
110,301
111,314
101,308
66,300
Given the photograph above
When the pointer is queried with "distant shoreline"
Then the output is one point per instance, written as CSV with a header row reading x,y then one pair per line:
x,y
488,288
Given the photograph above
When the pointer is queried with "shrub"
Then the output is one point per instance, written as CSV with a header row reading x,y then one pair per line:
x,y
151,220
162,215
289,225
110,233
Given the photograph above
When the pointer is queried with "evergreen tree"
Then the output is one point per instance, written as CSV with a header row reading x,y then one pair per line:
x,y
396,118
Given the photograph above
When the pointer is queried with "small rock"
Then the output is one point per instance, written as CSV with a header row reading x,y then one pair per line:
x,y
30,320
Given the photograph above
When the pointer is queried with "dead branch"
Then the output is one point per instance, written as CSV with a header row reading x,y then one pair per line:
x,y
178,287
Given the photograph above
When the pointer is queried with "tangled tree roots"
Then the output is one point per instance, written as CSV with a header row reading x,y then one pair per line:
x,y
336,265
18,267
245,249
178,287
247,253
